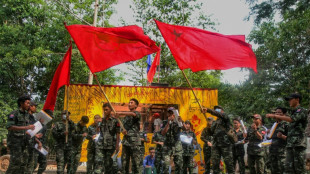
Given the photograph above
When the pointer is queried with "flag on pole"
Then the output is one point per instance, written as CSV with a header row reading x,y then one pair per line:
x,y
152,71
199,49
103,48
61,77
149,63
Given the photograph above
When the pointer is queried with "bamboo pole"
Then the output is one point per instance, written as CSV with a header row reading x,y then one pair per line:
x,y
190,85
67,112
119,121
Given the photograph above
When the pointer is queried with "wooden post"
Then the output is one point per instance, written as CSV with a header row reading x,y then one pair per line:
x,y
190,85
119,121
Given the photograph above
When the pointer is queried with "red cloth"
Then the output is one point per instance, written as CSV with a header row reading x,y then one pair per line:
x,y
103,48
152,70
61,77
202,50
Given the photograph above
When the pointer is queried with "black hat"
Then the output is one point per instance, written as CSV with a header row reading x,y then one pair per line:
x,y
294,95
32,103
170,109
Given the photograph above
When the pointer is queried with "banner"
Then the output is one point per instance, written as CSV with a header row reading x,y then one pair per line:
x,y
88,100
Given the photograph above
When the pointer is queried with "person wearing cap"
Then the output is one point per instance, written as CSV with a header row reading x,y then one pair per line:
x,y
188,148
172,145
207,146
63,148
296,139
18,122
255,136
222,144
277,149
238,148
159,139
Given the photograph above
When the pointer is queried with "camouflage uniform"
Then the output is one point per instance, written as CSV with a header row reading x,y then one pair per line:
x,y
17,142
31,150
131,143
142,134
277,149
39,157
296,142
255,153
63,149
173,147
238,152
188,153
106,146
158,137
91,149
206,137
77,141
222,146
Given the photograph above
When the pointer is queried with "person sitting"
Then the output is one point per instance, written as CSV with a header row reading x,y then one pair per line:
x,y
149,162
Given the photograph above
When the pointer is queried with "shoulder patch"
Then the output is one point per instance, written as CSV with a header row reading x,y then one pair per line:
x,y
298,110
117,124
11,116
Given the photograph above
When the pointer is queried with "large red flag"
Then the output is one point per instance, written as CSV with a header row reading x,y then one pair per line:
x,y
152,70
103,48
202,50
61,77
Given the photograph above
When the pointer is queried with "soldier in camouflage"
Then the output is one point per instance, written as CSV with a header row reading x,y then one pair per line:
x,y
222,145
207,139
277,149
131,140
188,149
63,148
172,145
256,153
158,139
238,148
108,142
79,134
18,122
296,140
143,138
93,130
39,157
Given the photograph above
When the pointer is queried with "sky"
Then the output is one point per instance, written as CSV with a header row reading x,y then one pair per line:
x,y
229,14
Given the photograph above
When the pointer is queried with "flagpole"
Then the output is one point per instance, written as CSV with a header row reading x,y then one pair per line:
x,y
190,85
90,74
119,121
67,112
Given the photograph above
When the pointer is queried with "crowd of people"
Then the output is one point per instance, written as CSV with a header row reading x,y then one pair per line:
x,y
223,139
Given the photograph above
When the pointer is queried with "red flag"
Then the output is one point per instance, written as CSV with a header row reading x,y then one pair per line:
x,y
202,50
103,48
152,70
61,77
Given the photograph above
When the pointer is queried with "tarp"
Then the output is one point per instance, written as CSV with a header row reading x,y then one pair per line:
x,y
88,100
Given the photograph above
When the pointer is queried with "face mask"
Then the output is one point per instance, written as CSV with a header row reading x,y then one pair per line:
x,y
64,116
218,110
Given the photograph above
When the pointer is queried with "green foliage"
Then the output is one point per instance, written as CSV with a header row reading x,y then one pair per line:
x,y
173,12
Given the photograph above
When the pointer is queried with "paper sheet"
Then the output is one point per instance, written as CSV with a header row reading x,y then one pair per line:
x,y
265,143
272,130
38,127
43,115
42,150
186,139
97,137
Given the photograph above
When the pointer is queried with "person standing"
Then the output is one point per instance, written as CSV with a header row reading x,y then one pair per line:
x,y
222,145
238,148
79,134
109,142
143,138
207,139
255,135
18,122
296,140
188,148
158,139
39,158
63,148
131,140
277,149
172,145
93,130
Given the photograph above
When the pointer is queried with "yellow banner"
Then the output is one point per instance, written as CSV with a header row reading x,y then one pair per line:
x,y
88,100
